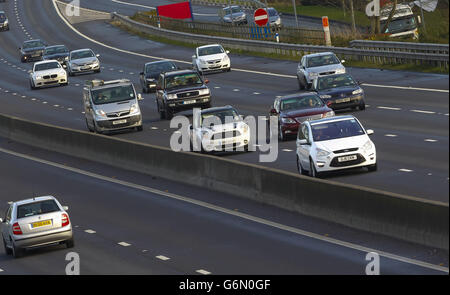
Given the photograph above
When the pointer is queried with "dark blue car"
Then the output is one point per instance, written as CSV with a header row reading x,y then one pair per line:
x,y
341,90
58,52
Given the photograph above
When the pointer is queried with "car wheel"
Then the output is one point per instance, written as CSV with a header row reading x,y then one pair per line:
x,y
140,128
144,90
372,168
87,125
300,168
362,106
70,243
169,113
17,251
229,69
301,83
281,135
312,170
8,251
96,130
97,71
70,73
162,114
32,86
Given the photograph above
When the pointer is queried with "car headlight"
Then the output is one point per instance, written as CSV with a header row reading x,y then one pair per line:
x,y
171,96
225,58
328,114
38,77
245,128
358,91
100,113
367,147
206,134
313,75
6,22
320,153
340,71
134,108
202,61
325,96
203,91
150,80
288,121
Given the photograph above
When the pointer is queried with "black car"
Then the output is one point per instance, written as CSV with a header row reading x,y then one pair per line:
x,y
32,50
57,52
181,90
4,24
149,76
341,90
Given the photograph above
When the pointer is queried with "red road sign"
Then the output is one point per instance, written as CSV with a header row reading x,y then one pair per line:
x,y
261,17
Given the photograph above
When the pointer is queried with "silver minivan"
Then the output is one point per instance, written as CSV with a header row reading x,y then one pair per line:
x,y
111,105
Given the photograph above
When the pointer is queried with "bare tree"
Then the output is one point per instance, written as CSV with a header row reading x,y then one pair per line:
x,y
391,14
353,18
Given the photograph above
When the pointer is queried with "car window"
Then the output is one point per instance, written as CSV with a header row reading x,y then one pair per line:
x,y
183,80
210,50
336,130
222,115
301,132
36,208
234,10
272,12
8,214
47,66
33,44
300,103
160,67
55,50
113,94
81,54
2,17
322,60
330,82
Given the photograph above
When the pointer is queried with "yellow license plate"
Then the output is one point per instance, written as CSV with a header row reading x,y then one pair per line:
x,y
41,223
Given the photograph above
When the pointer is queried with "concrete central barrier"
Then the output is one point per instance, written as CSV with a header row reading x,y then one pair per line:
x,y
399,216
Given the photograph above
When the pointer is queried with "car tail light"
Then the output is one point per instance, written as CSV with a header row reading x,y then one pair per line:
x,y
65,220
16,229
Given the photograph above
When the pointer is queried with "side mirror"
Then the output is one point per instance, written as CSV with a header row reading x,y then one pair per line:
x,y
20,48
97,55
273,111
158,87
1,220
369,132
303,142
206,81
141,74
228,52
329,103
359,82
65,208
139,96
194,56
280,14
342,61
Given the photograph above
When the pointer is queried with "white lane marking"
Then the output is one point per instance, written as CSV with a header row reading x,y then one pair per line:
x,y
90,231
430,140
256,93
390,135
405,170
154,128
203,272
1,270
162,257
287,150
234,213
125,244
216,87
236,90
406,88
423,112
389,108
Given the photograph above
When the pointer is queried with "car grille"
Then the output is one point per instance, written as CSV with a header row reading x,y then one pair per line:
x,y
342,95
226,134
118,114
335,163
212,62
50,76
327,73
187,94
345,151
308,118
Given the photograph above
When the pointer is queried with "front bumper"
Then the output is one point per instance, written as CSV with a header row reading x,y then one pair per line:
x,y
227,144
221,65
331,162
346,102
45,239
32,57
188,103
119,123
84,69
50,81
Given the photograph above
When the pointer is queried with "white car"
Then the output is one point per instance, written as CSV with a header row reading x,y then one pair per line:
x,y
34,223
333,144
315,65
211,58
228,131
47,73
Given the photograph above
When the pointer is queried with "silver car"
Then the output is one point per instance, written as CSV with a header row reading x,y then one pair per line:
x,y
312,66
82,61
34,223
233,15
274,18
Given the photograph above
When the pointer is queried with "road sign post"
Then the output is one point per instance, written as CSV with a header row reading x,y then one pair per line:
x,y
326,29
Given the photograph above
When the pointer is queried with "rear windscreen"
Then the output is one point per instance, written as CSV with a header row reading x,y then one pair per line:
x,y
37,208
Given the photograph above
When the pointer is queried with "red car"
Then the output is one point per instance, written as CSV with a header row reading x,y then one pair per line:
x,y
294,109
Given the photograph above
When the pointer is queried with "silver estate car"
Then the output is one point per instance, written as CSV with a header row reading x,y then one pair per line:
x,y
315,65
34,223
82,61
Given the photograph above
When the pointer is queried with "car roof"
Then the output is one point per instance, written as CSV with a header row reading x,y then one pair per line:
x,y
209,45
320,54
233,6
34,200
2,12
34,40
52,46
173,73
216,109
45,61
332,119
158,62
84,49
300,94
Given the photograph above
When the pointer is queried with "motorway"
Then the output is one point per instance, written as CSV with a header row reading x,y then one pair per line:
x,y
411,134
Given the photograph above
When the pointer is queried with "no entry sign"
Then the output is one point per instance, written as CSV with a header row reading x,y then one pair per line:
x,y
261,17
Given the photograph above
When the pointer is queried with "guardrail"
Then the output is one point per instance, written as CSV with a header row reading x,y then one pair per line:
x,y
290,50
400,46
399,216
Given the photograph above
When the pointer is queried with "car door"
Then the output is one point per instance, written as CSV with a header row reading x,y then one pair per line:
x,y
87,105
160,92
142,78
301,67
7,223
304,149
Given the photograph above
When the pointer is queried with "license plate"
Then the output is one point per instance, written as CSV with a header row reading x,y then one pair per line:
x,y
347,158
86,68
347,99
119,122
189,101
41,223
35,55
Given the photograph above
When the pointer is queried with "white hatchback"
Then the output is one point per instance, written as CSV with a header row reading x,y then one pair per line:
x,y
211,58
35,222
333,144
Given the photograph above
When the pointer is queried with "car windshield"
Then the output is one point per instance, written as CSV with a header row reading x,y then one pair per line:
x,y
160,67
2,17
301,103
33,44
336,130
210,50
401,25
229,115
113,94
227,10
272,12
330,82
183,80
37,208
46,66
81,54
55,50
322,60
